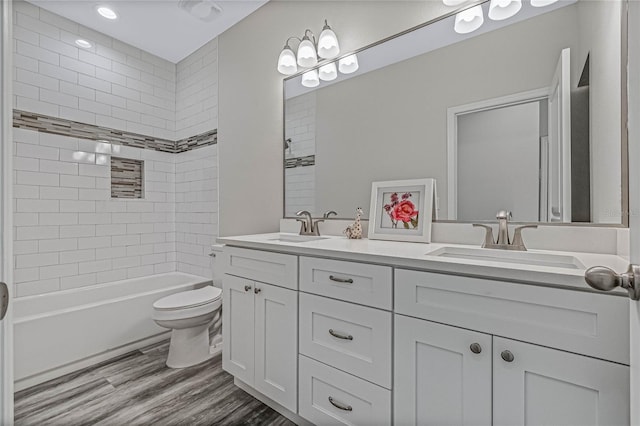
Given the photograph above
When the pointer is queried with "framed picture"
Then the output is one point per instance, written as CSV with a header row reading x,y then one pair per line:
x,y
402,210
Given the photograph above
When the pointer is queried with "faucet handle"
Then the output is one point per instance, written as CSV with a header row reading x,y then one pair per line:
x,y
488,236
504,214
517,236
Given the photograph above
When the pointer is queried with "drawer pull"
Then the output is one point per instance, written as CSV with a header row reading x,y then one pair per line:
x,y
507,356
340,405
475,348
340,335
341,280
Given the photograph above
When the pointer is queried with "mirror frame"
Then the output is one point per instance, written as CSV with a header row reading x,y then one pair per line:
x,y
624,119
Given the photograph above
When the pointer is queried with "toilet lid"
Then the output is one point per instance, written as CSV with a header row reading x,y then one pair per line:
x,y
189,298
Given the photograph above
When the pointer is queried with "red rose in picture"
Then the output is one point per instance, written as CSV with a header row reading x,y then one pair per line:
x,y
404,211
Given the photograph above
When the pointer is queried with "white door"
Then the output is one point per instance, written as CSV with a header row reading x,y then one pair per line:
x,y
6,234
634,196
238,328
442,374
560,141
276,344
534,385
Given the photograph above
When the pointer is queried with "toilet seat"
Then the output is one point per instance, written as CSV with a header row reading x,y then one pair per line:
x,y
188,299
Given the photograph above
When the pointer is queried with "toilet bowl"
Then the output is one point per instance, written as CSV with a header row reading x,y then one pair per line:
x,y
188,314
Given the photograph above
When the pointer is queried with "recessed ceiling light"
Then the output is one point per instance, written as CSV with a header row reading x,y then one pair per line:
x,y
107,12
83,43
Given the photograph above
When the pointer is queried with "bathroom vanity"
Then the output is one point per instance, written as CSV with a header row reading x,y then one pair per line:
x,y
365,332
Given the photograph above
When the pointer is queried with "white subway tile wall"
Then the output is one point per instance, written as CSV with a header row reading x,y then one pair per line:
x,y
197,92
110,84
196,208
69,232
300,126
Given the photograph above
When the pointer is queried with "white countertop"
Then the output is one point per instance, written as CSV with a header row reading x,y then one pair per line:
x,y
416,256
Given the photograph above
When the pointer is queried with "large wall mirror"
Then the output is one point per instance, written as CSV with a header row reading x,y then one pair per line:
x,y
526,114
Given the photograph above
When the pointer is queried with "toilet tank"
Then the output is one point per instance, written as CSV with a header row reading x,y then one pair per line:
x,y
217,264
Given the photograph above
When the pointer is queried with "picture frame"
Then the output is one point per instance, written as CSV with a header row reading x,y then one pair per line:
x,y
402,210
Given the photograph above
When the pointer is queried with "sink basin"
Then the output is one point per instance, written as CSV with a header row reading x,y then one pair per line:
x,y
506,256
293,238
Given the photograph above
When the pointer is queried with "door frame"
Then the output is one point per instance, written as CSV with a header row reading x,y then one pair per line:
x,y
452,135
6,203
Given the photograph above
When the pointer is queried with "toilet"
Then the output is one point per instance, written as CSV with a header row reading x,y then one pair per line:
x,y
189,314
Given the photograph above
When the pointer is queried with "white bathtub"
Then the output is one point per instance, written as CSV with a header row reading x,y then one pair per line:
x,y
60,332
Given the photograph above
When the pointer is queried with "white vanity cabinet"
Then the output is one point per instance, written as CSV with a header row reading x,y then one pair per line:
x,y
260,329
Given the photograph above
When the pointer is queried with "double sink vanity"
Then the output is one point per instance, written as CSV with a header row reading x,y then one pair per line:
x,y
362,332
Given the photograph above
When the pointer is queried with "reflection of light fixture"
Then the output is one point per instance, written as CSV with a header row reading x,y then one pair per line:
x,y
307,56
205,10
107,12
83,43
287,61
453,2
310,79
503,9
328,72
348,64
469,20
328,46
542,3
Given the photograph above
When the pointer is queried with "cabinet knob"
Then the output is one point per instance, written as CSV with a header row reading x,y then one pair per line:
x,y
247,287
507,356
475,348
257,290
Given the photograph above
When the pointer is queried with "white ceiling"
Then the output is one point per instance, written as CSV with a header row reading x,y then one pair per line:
x,y
159,27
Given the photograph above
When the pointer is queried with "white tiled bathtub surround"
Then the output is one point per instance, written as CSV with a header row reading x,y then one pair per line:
x,y
69,232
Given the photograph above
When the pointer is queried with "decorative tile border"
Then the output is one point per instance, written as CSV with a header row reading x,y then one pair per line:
x,y
75,129
309,160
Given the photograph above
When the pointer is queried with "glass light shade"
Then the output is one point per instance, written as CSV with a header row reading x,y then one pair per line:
x,y
453,2
287,62
307,56
328,72
503,9
469,20
328,46
542,3
310,79
348,64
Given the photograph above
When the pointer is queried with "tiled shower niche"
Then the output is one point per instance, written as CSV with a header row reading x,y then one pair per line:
x,y
127,178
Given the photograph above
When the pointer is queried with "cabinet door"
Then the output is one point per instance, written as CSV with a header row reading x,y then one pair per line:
x,y
238,327
276,351
542,386
438,379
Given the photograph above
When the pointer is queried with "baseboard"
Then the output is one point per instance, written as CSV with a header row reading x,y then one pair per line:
x,y
36,379
271,403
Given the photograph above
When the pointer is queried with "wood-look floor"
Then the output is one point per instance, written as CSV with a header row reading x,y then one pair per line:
x,y
139,389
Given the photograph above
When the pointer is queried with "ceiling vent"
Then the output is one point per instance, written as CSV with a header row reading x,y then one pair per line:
x,y
205,10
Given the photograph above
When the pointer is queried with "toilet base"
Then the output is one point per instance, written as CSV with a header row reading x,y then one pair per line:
x,y
189,346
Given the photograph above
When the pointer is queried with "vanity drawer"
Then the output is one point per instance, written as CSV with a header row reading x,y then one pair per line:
x,y
271,268
355,282
330,396
349,337
586,323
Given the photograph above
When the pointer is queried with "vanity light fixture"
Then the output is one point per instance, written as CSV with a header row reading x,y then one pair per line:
x,y
107,12
542,3
83,43
348,64
309,50
504,9
469,20
310,79
328,72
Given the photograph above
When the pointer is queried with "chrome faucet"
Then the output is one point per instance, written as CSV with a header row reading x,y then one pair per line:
x,y
503,241
307,225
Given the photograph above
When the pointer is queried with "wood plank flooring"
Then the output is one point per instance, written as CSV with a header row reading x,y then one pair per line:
x,y
139,389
